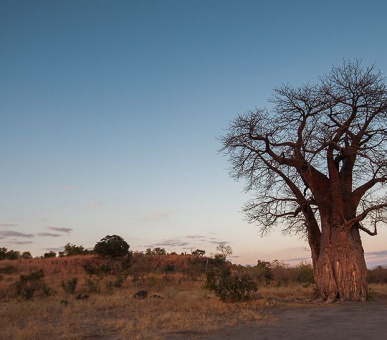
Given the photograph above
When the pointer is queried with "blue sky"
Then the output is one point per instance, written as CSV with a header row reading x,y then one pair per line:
x,y
110,113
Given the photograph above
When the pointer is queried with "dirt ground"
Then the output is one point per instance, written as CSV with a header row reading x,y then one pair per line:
x,y
346,320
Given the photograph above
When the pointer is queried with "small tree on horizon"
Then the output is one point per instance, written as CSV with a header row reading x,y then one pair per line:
x,y
13,255
113,246
198,252
225,251
3,253
26,255
51,253
72,249
316,162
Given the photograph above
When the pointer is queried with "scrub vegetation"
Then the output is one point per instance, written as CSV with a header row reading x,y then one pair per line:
x,y
91,296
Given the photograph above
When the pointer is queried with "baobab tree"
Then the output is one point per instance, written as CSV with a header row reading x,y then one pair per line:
x,y
316,163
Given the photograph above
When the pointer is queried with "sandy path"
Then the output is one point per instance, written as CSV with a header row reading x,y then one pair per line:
x,y
318,322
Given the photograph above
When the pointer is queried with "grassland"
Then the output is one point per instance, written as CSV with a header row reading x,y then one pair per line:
x,y
110,311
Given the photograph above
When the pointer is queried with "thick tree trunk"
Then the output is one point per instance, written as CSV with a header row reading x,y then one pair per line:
x,y
340,270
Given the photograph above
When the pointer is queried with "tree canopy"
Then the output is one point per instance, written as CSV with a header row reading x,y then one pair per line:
x,y
72,249
112,246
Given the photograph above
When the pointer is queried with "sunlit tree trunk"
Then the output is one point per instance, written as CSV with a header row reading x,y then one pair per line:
x,y
340,270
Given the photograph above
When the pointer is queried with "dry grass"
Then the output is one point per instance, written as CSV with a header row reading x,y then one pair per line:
x,y
114,314
377,291
118,315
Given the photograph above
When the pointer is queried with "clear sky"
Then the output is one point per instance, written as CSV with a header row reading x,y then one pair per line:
x,y
110,113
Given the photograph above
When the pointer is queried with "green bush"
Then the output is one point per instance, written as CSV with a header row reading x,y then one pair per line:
x,y
229,287
28,285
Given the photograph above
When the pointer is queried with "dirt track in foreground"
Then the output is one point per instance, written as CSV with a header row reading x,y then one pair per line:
x,y
347,320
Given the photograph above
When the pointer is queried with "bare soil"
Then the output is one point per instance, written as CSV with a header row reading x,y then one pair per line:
x,y
345,320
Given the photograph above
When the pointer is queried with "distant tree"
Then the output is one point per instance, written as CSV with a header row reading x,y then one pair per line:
x,y
26,255
13,255
3,253
159,251
317,162
111,247
155,251
198,252
225,251
72,249
50,254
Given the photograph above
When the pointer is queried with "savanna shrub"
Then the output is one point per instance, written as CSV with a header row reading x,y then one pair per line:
x,y
70,285
281,273
229,287
28,285
377,275
304,273
261,273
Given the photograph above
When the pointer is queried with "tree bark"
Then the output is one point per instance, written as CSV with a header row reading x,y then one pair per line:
x,y
340,270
